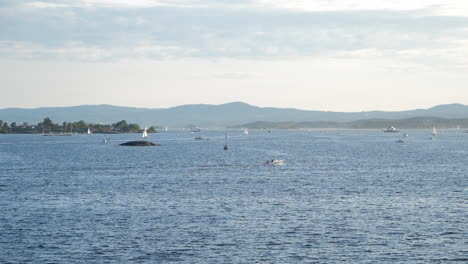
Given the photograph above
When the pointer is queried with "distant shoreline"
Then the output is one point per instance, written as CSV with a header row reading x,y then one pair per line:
x,y
464,130
376,123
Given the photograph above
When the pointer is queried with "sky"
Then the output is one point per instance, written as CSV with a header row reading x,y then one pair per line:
x,y
333,55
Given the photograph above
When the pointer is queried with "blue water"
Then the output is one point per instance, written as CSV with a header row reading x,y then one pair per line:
x,y
341,197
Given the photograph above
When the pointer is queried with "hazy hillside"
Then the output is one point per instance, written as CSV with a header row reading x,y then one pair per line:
x,y
375,123
212,116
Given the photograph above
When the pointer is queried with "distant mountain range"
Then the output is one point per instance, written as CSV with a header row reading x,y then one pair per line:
x,y
376,123
230,114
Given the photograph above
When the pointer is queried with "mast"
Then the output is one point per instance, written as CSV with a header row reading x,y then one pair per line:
x,y
226,147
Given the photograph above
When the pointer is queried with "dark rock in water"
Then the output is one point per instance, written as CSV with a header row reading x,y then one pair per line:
x,y
139,143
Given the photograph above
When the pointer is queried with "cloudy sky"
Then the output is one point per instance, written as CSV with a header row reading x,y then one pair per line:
x,y
337,55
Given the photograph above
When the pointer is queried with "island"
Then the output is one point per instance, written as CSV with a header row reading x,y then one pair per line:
x,y
139,143
47,126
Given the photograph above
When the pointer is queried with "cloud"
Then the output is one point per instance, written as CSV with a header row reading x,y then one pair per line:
x,y
81,52
442,7
260,29
436,7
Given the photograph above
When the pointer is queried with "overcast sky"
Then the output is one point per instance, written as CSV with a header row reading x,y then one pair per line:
x,y
337,55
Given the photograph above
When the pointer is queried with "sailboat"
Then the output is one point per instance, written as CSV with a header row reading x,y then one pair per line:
x,y
434,131
226,147
246,131
145,134
89,132
166,129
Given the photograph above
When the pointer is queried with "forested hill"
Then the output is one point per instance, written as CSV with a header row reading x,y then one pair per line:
x,y
215,116
408,123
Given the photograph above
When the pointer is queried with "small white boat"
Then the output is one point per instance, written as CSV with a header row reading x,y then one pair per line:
x,y
274,162
195,129
166,129
434,131
406,135
391,129
246,131
89,132
145,133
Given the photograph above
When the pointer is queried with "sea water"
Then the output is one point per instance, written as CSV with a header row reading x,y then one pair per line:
x,y
342,196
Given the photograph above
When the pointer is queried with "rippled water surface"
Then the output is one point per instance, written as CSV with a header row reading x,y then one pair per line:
x,y
341,197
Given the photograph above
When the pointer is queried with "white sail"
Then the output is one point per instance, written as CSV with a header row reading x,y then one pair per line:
x,y
246,131
434,131
89,131
145,134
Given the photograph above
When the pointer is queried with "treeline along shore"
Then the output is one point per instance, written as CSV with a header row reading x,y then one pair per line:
x,y
47,126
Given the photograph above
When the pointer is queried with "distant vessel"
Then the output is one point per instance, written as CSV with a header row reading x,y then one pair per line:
x,y
391,129
166,129
195,129
400,141
201,138
89,131
434,131
275,162
406,135
145,134
226,147
246,131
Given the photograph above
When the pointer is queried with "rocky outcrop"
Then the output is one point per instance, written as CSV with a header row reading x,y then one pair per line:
x,y
139,143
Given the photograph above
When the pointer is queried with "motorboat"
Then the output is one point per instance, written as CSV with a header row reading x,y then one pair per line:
x,y
201,138
195,129
274,162
391,129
